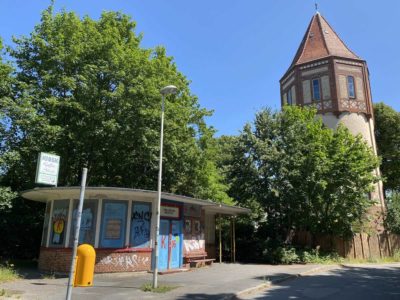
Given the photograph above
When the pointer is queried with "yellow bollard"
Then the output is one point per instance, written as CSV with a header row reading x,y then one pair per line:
x,y
86,257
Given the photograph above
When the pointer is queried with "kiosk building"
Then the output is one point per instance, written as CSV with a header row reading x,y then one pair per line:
x,y
119,223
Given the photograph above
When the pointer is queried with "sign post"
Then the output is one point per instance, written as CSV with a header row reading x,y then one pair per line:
x,y
76,236
47,169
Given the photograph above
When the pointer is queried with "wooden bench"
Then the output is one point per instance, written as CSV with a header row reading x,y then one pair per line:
x,y
197,260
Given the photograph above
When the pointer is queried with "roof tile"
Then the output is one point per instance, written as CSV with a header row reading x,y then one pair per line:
x,y
319,41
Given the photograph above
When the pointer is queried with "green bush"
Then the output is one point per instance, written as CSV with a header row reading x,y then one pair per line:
x,y
392,220
313,256
281,255
7,272
285,254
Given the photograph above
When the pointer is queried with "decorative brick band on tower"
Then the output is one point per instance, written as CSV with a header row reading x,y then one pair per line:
x,y
325,73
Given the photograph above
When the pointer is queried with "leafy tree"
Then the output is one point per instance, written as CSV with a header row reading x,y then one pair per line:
x,y
6,194
302,174
86,90
392,220
387,131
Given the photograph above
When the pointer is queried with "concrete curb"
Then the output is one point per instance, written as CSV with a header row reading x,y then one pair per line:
x,y
269,283
352,265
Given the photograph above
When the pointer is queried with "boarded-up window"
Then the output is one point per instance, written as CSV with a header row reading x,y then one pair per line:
x,y
46,224
140,225
289,97
359,89
306,91
343,86
59,223
293,92
113,224
326,89
87,229
210,229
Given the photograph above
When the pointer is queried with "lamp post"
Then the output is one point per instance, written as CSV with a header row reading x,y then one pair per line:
x,y
168,90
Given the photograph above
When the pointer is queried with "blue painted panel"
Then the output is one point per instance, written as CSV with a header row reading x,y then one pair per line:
x,y
163,245
176,240
140,226
113,224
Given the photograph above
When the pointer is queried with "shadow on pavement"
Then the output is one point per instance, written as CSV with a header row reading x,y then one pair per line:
x,y
28,273
349,282
274,278
201,296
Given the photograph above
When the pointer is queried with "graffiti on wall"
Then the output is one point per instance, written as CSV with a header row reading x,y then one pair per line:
x,y
126,261
59,221
140,226
194,245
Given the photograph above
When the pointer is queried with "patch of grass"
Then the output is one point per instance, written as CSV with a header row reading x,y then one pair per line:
x,y
315,257
49,276
148,287
23,263
7,273
9,294
386,259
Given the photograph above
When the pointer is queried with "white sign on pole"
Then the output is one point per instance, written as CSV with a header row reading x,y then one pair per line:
x,y
47,169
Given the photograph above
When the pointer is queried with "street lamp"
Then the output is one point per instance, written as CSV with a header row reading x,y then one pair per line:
x,y
168,90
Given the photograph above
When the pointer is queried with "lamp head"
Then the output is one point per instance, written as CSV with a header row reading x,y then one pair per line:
x,y
168,90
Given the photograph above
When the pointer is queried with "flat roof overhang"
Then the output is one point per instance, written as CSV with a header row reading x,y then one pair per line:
x,y
117,193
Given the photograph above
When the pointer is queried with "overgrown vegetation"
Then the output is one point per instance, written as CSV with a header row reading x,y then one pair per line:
x,y
8,273
299,175
292,255
88,91
387,132
8,294
392,221
148,287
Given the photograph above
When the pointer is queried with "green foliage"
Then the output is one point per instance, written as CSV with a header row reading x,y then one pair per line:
x,y
281,255
285,254
148,287
301,174
86,90
6,195
392,220
7,273
314,256
387,131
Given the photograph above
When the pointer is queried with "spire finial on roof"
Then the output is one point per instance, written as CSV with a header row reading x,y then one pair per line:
x,y
316,7
325,42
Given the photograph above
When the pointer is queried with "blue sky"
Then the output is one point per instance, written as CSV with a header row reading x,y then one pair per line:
x,y
235,52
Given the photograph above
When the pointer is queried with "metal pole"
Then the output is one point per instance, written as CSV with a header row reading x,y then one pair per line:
x,y
155,266
76,236
234,239
220,239
231,236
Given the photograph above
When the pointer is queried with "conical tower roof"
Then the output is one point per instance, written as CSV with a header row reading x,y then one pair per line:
x,y
321,41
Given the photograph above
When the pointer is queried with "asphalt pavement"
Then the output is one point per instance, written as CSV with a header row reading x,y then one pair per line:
x,y
349,282
227,282
219,282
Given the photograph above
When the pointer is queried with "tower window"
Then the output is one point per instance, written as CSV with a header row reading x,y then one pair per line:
x,y
289,97
350,87
316,90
